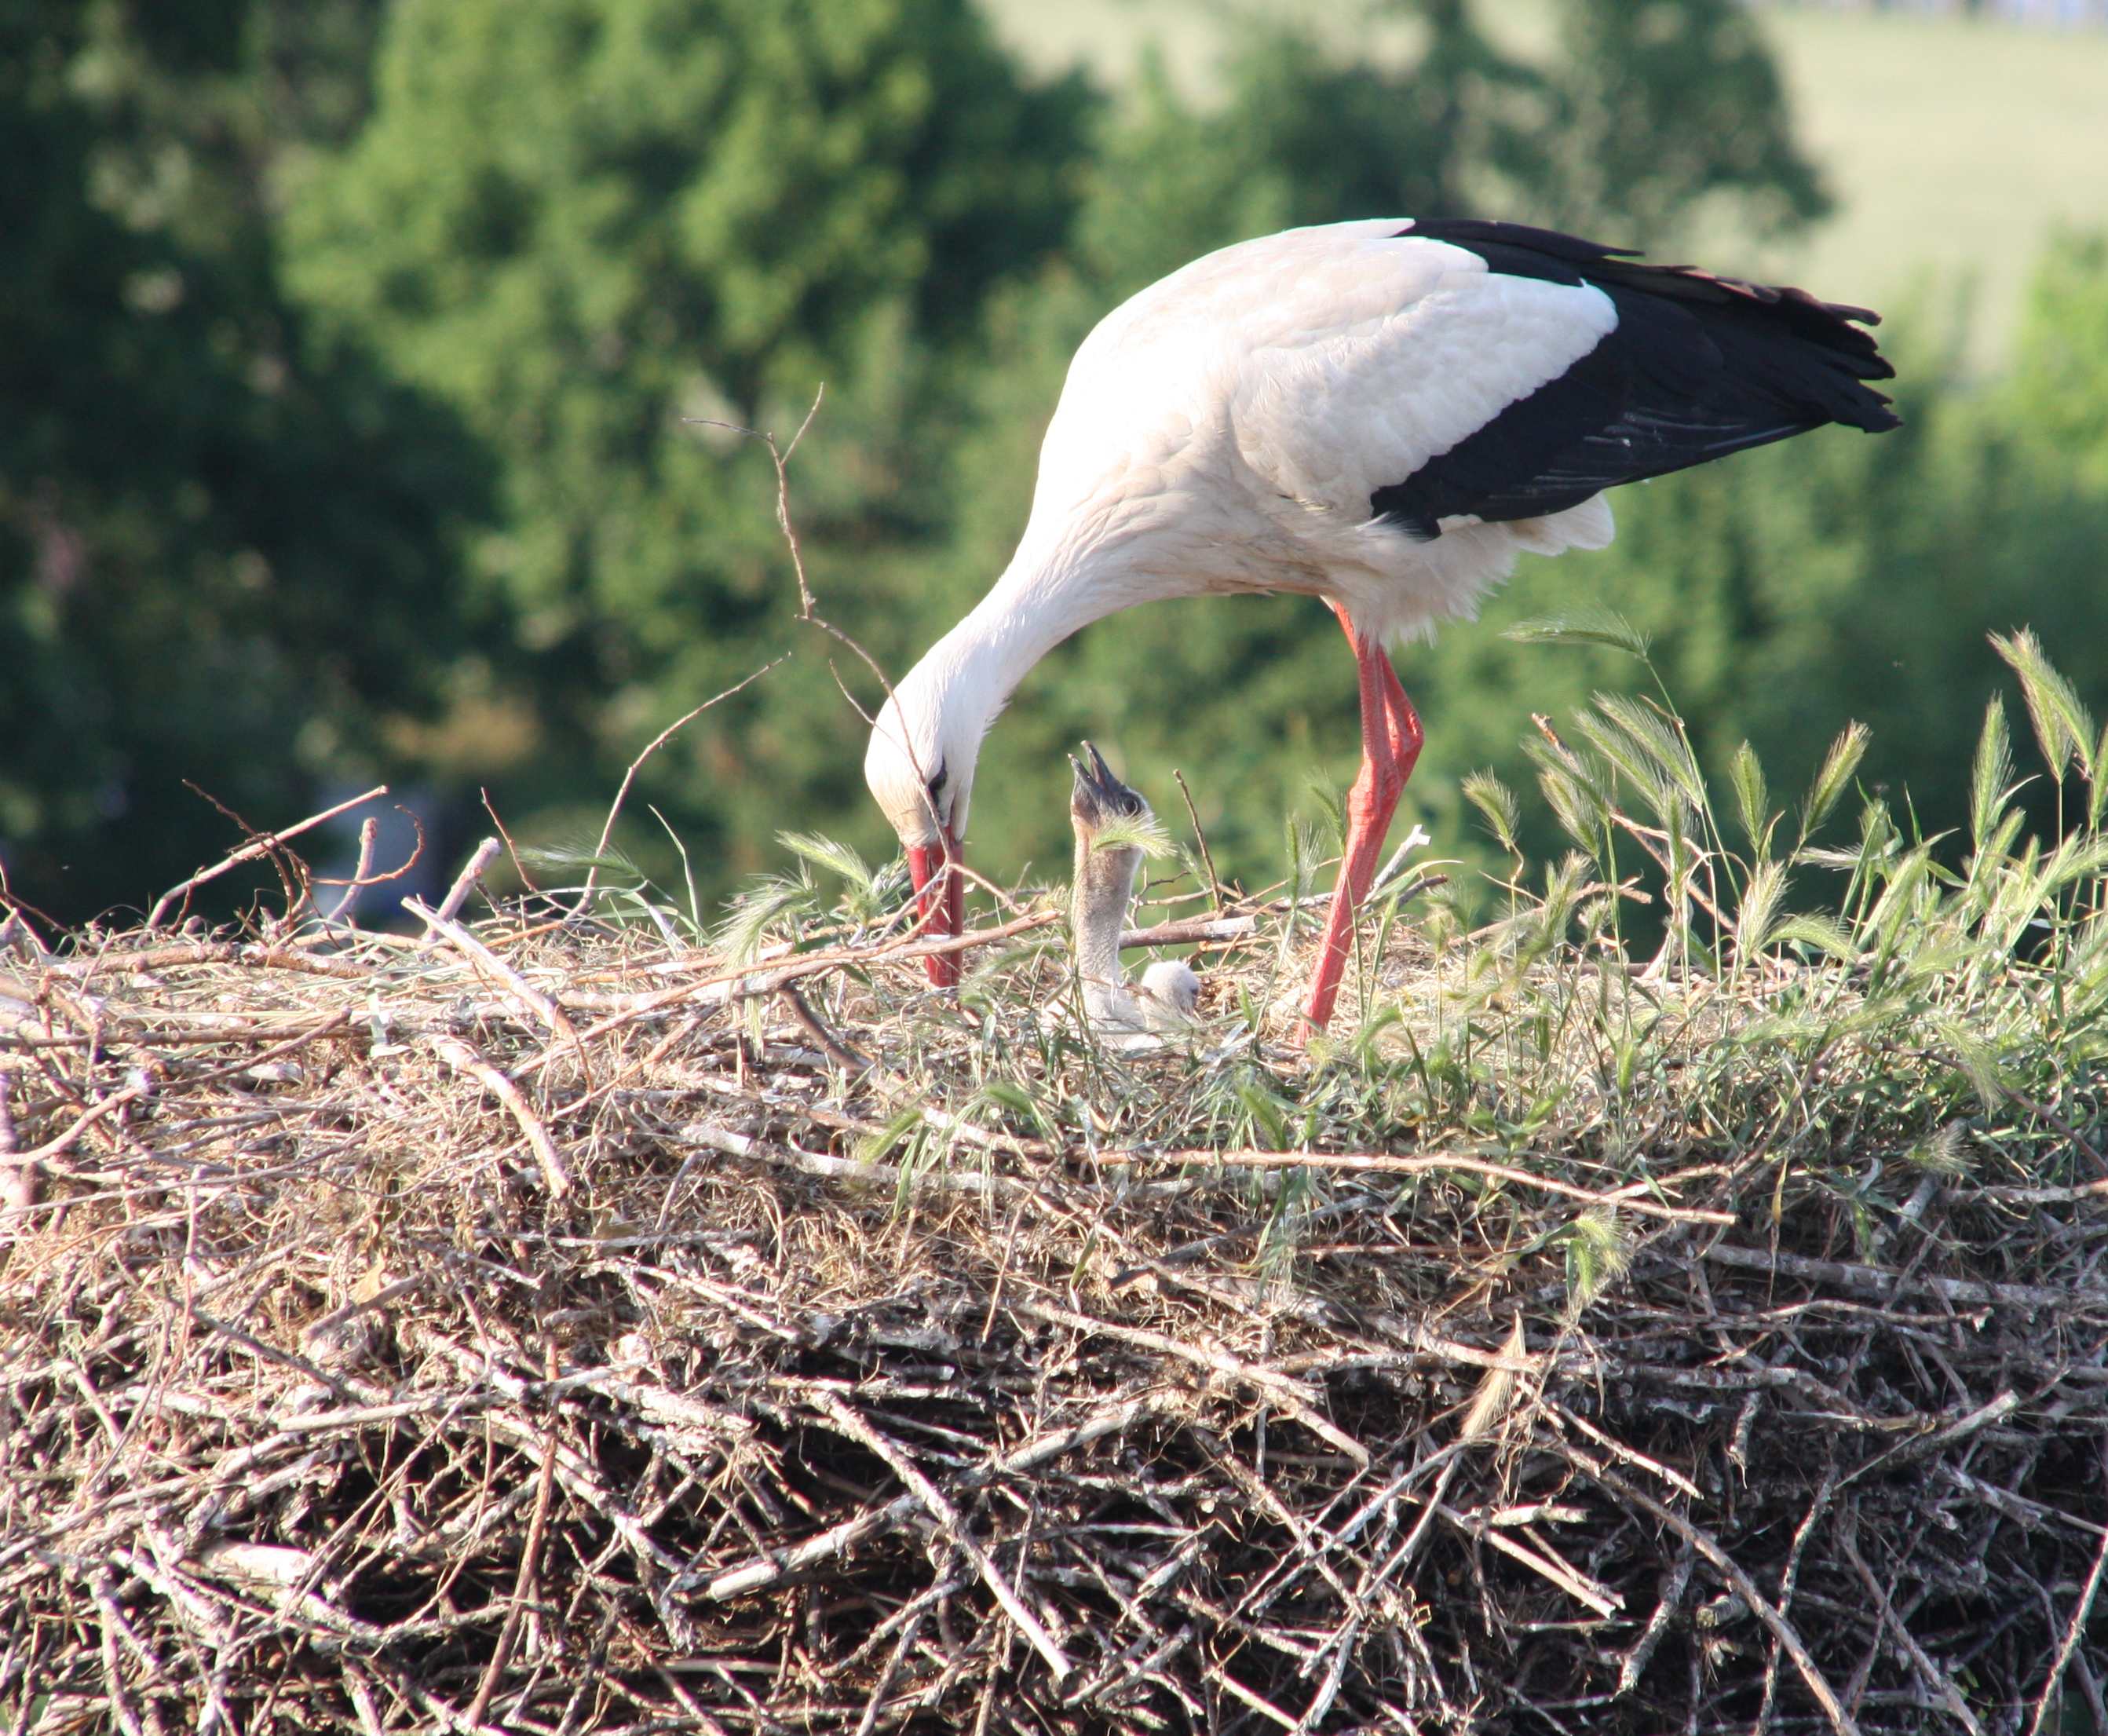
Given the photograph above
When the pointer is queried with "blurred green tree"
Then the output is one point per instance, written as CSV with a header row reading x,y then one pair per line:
x,y
603,229
1660,109
225,553
2059,389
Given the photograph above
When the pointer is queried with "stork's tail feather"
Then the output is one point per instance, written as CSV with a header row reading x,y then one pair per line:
x,y
1693,367
1802,351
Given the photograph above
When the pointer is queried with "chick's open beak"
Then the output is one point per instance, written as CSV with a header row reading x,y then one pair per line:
x,y
1098,796
940,901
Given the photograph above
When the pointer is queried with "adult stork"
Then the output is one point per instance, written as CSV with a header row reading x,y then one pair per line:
x,y
1382,414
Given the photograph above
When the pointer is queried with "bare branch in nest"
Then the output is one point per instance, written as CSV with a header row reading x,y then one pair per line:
x,y
511,849
258,847
932,1501
369,834
18,1176
363,875
1745,1587
1632,1196
1201,839
637,765
1869,1281
2082,1611
524,1582
831,1045
542,1006
1193,929
465,882
463,1059
808,609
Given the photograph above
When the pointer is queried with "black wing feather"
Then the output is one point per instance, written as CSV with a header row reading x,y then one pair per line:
x,y
1697,366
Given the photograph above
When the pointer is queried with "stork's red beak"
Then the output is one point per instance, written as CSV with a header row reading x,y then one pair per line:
x,y
940,896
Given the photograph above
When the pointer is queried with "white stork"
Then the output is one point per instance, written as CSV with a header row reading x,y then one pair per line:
x,y
1382,414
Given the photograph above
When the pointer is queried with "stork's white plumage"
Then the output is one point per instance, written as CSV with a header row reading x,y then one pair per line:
x,y
1383,415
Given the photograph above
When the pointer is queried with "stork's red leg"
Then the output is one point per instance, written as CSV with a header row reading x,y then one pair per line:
x,y
1390,744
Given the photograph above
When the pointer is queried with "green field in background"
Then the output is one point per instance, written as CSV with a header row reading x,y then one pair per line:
x,y
1952,147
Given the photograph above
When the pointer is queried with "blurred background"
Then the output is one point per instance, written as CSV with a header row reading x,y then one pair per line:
x,y
359,358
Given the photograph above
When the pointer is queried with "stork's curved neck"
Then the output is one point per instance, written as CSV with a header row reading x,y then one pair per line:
x,y
1094,561
966,678
1044,595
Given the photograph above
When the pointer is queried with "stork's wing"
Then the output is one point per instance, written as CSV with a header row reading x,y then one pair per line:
x,y
1516,372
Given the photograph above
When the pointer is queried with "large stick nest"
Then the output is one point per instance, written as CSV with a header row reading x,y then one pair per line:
x,y
555,1335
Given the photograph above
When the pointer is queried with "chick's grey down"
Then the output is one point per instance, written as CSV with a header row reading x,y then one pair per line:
x,y
1108,863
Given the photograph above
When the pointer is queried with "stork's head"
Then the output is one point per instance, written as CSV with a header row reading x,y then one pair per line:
x,y
920,766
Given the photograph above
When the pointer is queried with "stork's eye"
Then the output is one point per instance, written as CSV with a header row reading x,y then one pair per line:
x,y
935,786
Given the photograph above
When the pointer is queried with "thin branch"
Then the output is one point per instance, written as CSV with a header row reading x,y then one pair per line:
x,y
1826,1697
636,765
2077,1626
1042,1449
369,834
1629,1197
831,1045
1200,838
257,847
938,1509
808,614
457,894
1906,1642
18,1176
1872,1281
511,849
463,1059
522,1582
543,1006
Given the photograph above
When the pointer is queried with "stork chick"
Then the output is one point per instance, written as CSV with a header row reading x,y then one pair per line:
x,y
1111,822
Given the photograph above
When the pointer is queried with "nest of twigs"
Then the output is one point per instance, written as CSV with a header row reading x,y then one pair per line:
x,y
556,1332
